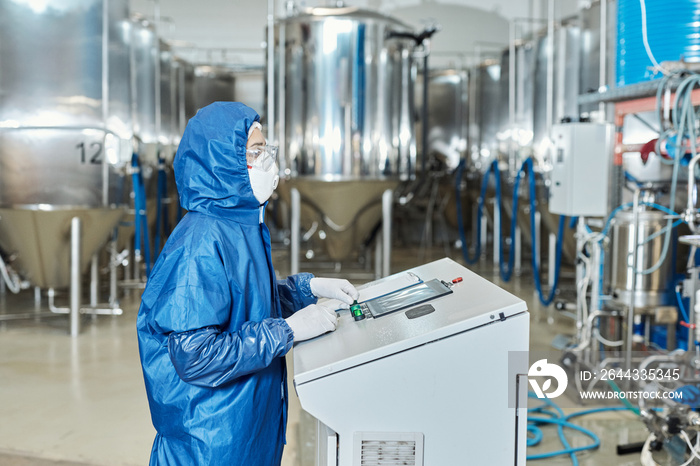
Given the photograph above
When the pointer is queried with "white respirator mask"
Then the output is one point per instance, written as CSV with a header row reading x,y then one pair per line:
x,y
263,171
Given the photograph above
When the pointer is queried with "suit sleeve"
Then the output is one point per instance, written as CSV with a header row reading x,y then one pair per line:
x,y
295,293
207,357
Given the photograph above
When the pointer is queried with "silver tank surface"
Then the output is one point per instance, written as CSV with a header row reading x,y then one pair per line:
x,y
565,86
65,128
448,114
212,84
486,117
348,110
650,289
144,76
518,138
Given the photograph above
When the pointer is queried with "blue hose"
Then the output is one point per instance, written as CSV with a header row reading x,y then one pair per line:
x,y
161,219
506,270
141,236
560,420
480,208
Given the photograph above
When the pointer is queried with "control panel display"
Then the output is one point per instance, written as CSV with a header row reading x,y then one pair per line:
x,y
407,297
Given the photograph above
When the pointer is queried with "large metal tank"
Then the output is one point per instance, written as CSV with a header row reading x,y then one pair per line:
x,y
65,129
650,289
556,95
589,72
448,114
145,80
486,117
346,116
212,83
515,134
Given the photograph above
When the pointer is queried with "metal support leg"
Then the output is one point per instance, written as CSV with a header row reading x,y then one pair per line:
x,y
387,202
496,233
484,234
295,226
378,257
630,310
113,299
552,260
536,240
518,246
75,285
93,280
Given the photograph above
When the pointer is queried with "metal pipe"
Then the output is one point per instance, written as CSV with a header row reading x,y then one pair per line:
x,y
378,258
580,234
496,232
424,112
690,210
75,285
387,202
113,264
550,67
511,98
157,80
93,280
295,226
271,70
484,234
536,239
282,98
633,272
552,259
518,246
603,59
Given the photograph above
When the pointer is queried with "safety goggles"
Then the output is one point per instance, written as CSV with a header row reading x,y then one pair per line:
x,y
263,157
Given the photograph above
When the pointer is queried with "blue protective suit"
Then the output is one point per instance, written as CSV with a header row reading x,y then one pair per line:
x,y
211,331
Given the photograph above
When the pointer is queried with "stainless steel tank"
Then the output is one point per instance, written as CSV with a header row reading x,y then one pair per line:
x,y
348,105
448,114
487,117
515,132
65,129
649,289
212,83
590,52
145,79
556,95
346,116
184,72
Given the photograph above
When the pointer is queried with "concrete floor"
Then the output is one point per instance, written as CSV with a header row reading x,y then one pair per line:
x,y
82,401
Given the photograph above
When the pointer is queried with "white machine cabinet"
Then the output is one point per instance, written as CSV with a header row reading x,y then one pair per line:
x,y
580,167
436,389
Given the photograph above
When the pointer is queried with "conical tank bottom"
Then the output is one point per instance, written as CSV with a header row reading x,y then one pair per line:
x,y
346,210
41,239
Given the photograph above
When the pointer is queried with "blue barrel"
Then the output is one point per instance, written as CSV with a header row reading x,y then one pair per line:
x,y
673,31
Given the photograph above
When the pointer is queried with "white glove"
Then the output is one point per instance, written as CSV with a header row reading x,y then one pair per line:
x,y
312,321
334,288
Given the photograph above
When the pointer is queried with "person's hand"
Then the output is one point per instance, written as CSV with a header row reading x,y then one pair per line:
x,y
312,321
334,288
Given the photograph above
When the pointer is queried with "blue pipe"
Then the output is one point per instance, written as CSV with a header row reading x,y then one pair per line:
x,y
141,236
161,219
506,270
480,208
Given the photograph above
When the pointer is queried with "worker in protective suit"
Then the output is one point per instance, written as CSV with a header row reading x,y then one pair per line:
x,y
214,322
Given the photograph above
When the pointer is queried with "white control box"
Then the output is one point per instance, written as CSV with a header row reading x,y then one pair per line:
x,y
582,154
430,385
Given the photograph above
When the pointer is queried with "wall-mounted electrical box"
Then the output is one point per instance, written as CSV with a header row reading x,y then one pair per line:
x,y
582,154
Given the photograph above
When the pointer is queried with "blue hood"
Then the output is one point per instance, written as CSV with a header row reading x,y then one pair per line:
x,y
210,164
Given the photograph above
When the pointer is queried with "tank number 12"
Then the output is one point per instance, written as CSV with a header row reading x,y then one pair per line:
x,y
90,153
